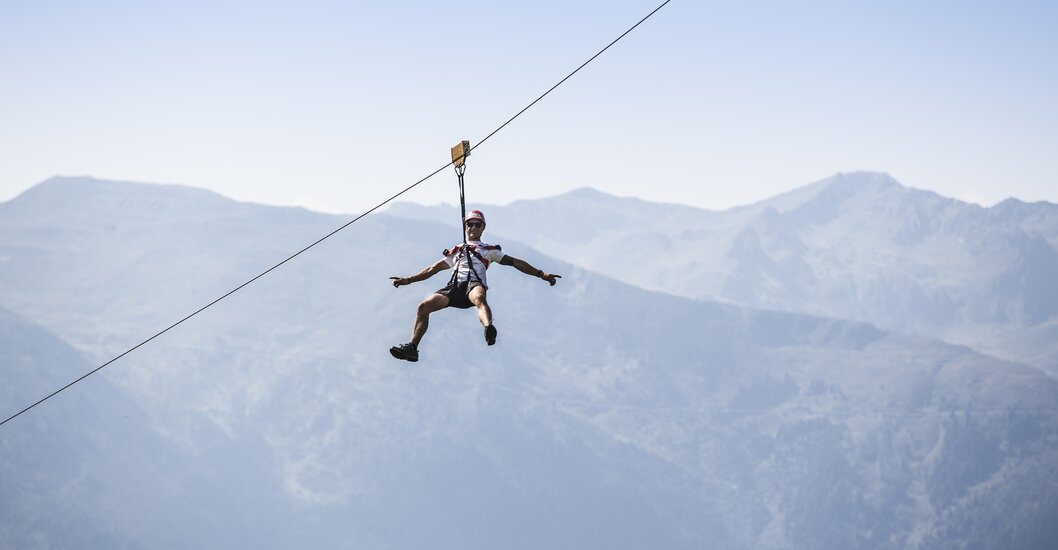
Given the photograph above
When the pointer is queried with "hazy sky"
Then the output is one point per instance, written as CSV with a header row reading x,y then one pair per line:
x,y
338,105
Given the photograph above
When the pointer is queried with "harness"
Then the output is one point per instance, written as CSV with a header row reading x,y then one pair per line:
x,y
472,274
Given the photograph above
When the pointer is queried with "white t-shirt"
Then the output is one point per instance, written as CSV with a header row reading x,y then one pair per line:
x,y
490,253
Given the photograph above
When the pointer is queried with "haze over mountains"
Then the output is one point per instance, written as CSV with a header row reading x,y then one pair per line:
x,y
855,246
610,414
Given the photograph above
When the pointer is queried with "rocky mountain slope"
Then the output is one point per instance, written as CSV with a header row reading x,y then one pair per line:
x,y
856,246
607,416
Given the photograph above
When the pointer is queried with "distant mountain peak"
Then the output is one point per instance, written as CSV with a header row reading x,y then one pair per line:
x,y
82,197
591,195
864,178
64,189
843,186
587,192
61,184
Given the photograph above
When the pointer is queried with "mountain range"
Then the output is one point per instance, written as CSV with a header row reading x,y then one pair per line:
x,y
855,246
620,409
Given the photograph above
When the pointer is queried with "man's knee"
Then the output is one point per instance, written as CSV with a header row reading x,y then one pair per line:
x,y
477,296
432,304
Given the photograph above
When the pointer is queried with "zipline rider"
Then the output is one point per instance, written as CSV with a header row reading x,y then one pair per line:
x,y
467,286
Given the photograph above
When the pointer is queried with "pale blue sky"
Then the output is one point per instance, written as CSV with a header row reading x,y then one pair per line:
x,y
338,105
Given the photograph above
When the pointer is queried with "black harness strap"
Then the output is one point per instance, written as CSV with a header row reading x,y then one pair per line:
x,y
466,251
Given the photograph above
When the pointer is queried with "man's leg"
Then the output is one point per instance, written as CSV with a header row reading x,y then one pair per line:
x,y
435,302
477,297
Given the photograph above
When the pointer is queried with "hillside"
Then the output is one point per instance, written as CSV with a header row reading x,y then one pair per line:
x,y
607,416
857,246
88,469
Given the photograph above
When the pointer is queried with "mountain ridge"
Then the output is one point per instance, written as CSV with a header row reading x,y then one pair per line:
x,y
607,415
857,246
768,254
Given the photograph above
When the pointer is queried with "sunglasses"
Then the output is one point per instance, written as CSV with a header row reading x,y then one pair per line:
x,y
475,224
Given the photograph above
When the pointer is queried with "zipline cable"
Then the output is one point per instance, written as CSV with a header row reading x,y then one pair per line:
x,y
332,233
229,293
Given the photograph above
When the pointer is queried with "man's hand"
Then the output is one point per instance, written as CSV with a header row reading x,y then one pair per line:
x,y
550,277
399,281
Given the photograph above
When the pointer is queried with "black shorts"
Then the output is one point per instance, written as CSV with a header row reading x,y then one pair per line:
x,y
457,294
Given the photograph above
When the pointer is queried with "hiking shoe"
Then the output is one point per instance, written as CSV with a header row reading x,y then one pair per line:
x,y
407,352
490,334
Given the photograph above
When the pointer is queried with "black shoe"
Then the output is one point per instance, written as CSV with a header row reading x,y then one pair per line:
x,y
407,352
490,334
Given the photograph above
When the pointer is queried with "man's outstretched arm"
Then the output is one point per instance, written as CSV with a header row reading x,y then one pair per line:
x,y
426,273
525,267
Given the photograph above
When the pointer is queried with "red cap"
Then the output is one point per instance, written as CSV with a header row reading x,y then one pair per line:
x,y
475,215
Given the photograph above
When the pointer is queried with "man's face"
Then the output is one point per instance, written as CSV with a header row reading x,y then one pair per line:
x,y
474,230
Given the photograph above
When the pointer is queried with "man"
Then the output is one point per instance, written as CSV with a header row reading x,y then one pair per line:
x,y
467,286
